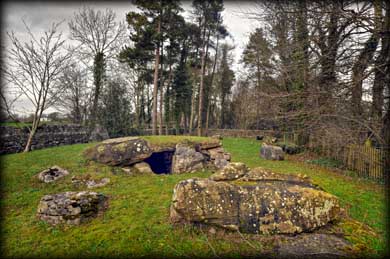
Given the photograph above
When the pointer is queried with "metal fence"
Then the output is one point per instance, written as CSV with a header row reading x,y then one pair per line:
x,y
366,160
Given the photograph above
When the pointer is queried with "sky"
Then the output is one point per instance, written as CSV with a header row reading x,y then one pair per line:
x,y
40,15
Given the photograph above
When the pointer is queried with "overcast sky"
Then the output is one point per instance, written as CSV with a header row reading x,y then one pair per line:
x,y
40,15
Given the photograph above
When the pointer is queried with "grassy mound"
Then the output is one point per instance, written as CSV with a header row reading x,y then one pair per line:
x,y
136,222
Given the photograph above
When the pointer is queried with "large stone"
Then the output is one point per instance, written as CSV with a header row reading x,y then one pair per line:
x,y
120,151
261,174
52,174
232,171
313,245
218,157
143,168
173,155
70,207
255,202
270,152
187,160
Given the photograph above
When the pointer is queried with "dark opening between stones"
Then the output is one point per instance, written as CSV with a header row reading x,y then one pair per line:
x,y
53,172
161,162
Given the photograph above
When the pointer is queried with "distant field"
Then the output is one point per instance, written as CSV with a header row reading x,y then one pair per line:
x,y
136,222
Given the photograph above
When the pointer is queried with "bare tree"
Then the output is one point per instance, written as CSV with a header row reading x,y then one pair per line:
x,y
33,68
99,36
75,98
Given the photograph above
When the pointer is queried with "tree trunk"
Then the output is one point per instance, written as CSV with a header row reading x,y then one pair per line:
x,y
168,100
201,85
160,132
328,45
211,85
208,117
191,124
155,83
29,141
363,61
380,70
98,80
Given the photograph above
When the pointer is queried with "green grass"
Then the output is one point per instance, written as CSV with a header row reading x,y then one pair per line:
x,y
326,162
16,124
171,140
136,222
29,124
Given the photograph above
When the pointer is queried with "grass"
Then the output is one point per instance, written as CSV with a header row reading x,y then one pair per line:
x,y
171,140
29,124
326,162
136,223
16,124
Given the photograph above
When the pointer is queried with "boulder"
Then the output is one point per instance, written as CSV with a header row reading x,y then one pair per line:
x,y
99,133
313,245
290,149
220,163
70,208
187,160
143,168
270,204
270,152
218,157
120,151
162,157
261,174
232,171
52,174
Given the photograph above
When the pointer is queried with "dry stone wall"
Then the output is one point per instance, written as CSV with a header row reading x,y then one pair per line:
x,y
14,139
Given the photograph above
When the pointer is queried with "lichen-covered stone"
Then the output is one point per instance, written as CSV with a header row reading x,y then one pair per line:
x,y
52,174
218,157
120,151
232,171
143,168
270,152
267,203
187,160
261,174
204,200
70,207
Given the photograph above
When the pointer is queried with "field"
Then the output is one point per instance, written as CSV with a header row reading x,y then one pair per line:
x,y
136,222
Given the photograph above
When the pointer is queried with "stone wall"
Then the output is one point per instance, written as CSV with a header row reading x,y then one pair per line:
x,y
238,133
14,139
241,133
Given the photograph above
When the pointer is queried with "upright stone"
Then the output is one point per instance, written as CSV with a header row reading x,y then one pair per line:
x,y
186,159
270,152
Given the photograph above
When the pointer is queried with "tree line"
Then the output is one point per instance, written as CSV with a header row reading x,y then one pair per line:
x,y
317,68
